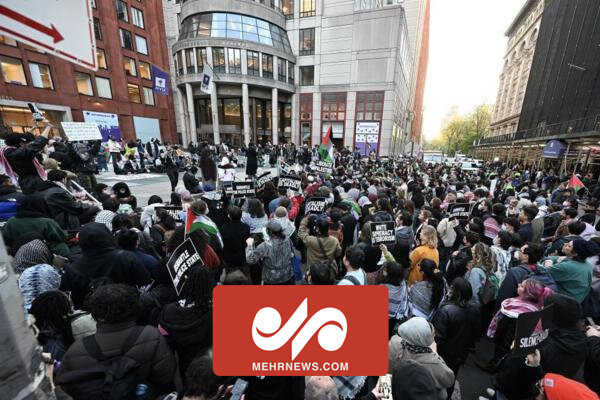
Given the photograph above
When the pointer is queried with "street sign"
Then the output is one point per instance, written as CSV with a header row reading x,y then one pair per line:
x,y
61,27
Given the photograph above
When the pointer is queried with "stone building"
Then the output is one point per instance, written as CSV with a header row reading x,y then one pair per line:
x,y
522,37
288,70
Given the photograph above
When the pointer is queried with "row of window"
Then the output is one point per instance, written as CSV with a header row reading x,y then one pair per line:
x,y
41,77
126,38
137,15
233,58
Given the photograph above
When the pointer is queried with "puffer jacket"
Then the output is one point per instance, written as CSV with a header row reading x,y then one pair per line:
x,y
157,363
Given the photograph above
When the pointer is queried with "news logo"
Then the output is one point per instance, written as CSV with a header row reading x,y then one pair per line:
x,y
300,330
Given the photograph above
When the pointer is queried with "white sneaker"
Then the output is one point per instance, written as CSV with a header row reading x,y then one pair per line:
x,y
491,392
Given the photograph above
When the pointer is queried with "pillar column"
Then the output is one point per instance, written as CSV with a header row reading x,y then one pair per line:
x,y
214,105
295,120
191,112
246,113
185,131
275,116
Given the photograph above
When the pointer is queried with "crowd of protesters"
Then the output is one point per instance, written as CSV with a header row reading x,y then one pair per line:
x,y
93,273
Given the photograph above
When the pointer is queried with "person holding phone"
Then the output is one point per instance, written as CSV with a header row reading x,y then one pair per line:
x,y
19,158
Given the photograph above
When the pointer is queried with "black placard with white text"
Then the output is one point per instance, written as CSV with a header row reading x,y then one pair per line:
x,y
315,205
531,331
174,211
243,189
290,182
383,233
183,258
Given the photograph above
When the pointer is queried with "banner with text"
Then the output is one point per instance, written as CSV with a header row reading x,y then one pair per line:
x,y
316,205
383,233
532,330
183,258
81,131
290,182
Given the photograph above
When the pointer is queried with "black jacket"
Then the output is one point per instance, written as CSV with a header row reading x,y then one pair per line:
x,y
564,352
10,193
190,182
21,162
189,330
251,161
456,327
157,363
592,364
100,258
66,210
234,236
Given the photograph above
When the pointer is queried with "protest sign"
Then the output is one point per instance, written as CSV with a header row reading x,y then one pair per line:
x,y
243,189
316,205
322,167
532,329
290,182
263,179
183,258
174,211
383,233
460,211
284,168
81,131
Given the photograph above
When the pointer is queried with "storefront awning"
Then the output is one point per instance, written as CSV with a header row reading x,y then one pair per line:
x,y
554,149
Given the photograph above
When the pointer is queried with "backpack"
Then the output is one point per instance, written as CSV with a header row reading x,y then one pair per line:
x,y
110,378
489,291
542,275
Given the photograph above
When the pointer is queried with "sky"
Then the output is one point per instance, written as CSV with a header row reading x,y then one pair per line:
x,y
467,46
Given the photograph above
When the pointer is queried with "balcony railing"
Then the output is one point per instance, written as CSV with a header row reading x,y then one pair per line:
x,y
573,126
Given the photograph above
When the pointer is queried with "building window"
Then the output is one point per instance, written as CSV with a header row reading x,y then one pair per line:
x,y
141,45
281,69
333,106
84,84
179,62
307,75
133,92
189,61
291,72
287,7
101,58
232,112
145,70
308,8
234,58
12,70
253,63
121,8
267,66
369,106
126,41
218,59
129,66
307,41
103,87
40,76
306,108
138,17
8,41
148,96
200,58
97,29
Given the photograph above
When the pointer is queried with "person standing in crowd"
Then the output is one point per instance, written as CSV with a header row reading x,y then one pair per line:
x,y
114,148
427,250
275,254
251,160
169,160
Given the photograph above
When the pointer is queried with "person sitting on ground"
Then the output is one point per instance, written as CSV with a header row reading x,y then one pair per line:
x,y
190,181
123,193
128,240
115,307
146,219
35,217
100,259
573,274
414,341
10,198
66,210
187,324
108,213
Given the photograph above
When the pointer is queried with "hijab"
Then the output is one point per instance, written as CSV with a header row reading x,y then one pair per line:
x,y
32,253
37,280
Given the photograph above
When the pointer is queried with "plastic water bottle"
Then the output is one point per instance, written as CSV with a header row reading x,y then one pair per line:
x,y
141,392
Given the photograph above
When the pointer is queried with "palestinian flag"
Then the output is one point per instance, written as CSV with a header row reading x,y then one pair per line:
x,y
201,222
326,148
189,221
575,183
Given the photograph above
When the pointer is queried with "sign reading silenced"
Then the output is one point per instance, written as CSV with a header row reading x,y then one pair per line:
x,y
383,233
532,330
183,258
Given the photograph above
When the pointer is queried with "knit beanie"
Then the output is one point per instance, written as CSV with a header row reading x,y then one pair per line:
x,y
557,387
584,248
416,331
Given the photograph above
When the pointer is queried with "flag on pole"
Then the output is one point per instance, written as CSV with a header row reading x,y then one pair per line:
x,y
326,148
575,183
190,217
207,78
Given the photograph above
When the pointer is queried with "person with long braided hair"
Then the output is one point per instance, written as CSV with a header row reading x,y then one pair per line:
x,y
51,310
187,323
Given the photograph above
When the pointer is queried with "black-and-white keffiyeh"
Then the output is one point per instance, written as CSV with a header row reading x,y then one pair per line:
x,y
348,386
414,348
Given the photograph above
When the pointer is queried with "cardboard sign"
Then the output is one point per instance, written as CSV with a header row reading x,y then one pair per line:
x,y
316,205
262,180
461,211
183,258
174,211
243,189
290,182
323,167
383,233
532,329
81,131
